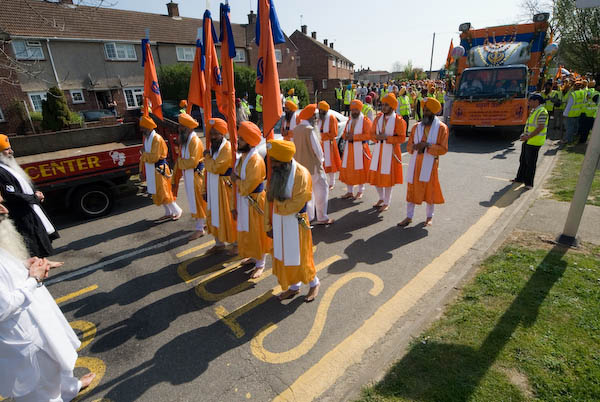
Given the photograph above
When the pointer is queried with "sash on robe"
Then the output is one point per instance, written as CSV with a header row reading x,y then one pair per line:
x,y
286,230
212,190
27,189
324,128
243,207
149,167
428,159
188,176
358,150
388,149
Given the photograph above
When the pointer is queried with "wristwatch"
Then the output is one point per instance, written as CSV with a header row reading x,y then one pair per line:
x,y
40,281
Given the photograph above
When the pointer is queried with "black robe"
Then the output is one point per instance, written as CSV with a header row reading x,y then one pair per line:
x,y
20,211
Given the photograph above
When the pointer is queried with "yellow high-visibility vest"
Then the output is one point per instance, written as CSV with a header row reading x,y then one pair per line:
x,y
531,125
258,103
338,93
348,97
404,105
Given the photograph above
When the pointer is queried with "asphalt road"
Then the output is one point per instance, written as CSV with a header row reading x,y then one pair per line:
x,y
165,323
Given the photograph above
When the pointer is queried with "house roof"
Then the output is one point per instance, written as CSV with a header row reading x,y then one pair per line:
x,y
40,19
329,50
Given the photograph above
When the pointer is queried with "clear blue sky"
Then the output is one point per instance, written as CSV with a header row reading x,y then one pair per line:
x,y
375,37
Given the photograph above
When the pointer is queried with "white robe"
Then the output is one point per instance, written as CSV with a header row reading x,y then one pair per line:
x,y
30,322
188,175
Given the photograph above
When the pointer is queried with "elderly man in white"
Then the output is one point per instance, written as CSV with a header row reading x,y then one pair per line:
x,y
38,348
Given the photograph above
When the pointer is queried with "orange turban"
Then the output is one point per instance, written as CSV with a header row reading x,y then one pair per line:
x,y
183,103
4,143
324,106
308,112
281,150
356,105
291,105
390,99
219,124
147,123
187,121
250,133
433,105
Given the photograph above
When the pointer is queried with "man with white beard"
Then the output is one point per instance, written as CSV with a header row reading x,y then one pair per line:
x,y
38,348
24,203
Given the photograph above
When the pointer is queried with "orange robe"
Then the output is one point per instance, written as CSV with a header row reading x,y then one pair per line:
x,y
196,149
334,153
377,178
349,174
287,127
158,151
227,231
254,243
301,194
430,191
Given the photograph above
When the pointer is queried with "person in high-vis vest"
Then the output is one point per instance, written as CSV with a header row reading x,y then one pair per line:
x,y
590,108
404,106
572,111
367,109
292,97
339,97
533,138
347,99
439,95
259,108
182,106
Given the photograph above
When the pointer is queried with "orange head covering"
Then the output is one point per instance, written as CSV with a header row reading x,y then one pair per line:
x,y
250,133
356,105
390,99
147,123
281,150
308,112
433,105
324,106
219,124
291,91
183,103
187,121
291,105
4,143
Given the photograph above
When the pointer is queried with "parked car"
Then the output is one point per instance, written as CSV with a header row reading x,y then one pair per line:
x,y
97,114
171,111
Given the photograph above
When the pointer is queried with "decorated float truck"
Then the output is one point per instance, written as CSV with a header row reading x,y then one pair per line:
x,y
498,67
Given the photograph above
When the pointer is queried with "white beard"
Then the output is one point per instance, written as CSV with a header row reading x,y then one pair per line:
x,y
11,240
11,162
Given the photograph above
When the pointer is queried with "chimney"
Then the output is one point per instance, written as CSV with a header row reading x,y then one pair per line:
x,y
252,18
331,45
314,34
325,42
304,29
173,9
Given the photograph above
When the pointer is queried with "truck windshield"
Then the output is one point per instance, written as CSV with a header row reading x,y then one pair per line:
x,y
493,83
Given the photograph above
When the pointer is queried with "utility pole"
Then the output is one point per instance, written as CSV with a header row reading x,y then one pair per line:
x,y
431,62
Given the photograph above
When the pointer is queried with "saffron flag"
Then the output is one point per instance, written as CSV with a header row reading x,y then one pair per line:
x,y
268,33
197,89
212,72
558,73
449,59
151,89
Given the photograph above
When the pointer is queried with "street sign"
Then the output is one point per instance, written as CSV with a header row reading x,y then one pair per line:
x,y
587,3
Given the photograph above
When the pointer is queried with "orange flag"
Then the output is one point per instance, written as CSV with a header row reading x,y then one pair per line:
x,y
559,73
212,72
151,89
197,89
449,59
268,33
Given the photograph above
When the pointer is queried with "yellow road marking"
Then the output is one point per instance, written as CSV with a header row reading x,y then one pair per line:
x,y
194,249
334,363
497,178
229,319
88,330
94,365
75,294
257,343
185,275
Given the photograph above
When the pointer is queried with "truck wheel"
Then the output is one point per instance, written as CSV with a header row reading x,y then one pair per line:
x,y
93,201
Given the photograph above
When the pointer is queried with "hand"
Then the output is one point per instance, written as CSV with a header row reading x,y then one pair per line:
x,y
38,268
234,214
350,137
381,137
40,196
55,264
524,137
234,176
206,153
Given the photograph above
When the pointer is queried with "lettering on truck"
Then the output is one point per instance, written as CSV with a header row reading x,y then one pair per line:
x,y
62,168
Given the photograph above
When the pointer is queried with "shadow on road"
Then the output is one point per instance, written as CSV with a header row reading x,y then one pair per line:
x,y
342,228
435,371
493,201
477,141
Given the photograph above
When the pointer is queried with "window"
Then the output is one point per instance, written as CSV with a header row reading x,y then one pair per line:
x,y
77,96
120,51
278,55
1,116
298,61
240,55
134,97
185,53
28,50
324,84
333,62
36,99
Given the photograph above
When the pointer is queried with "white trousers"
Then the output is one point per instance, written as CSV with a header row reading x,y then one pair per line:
x,y
350,189
331,177
54,385
260,263
172,209
200,223
385,194
410,210
319,198
312,284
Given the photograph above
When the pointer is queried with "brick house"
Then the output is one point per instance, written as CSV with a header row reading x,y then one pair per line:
x,y
321,66
94,54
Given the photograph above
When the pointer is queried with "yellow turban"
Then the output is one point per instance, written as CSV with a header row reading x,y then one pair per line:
x,y
353,86
219,124
281,150
433,105
183,103
291,105
356,105
4,143
187,121
308,112
402,91
250,133
390,99
291,91
324,106
147,123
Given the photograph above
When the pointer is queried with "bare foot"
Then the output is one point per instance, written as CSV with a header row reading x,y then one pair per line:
x,y
288,294
246,261
327,222
331,187
197,234
384,208
429,222
347,196
86,380
215,249
176,217
379,203
312,293
257,272
358,196
405,223
164,218
233,250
